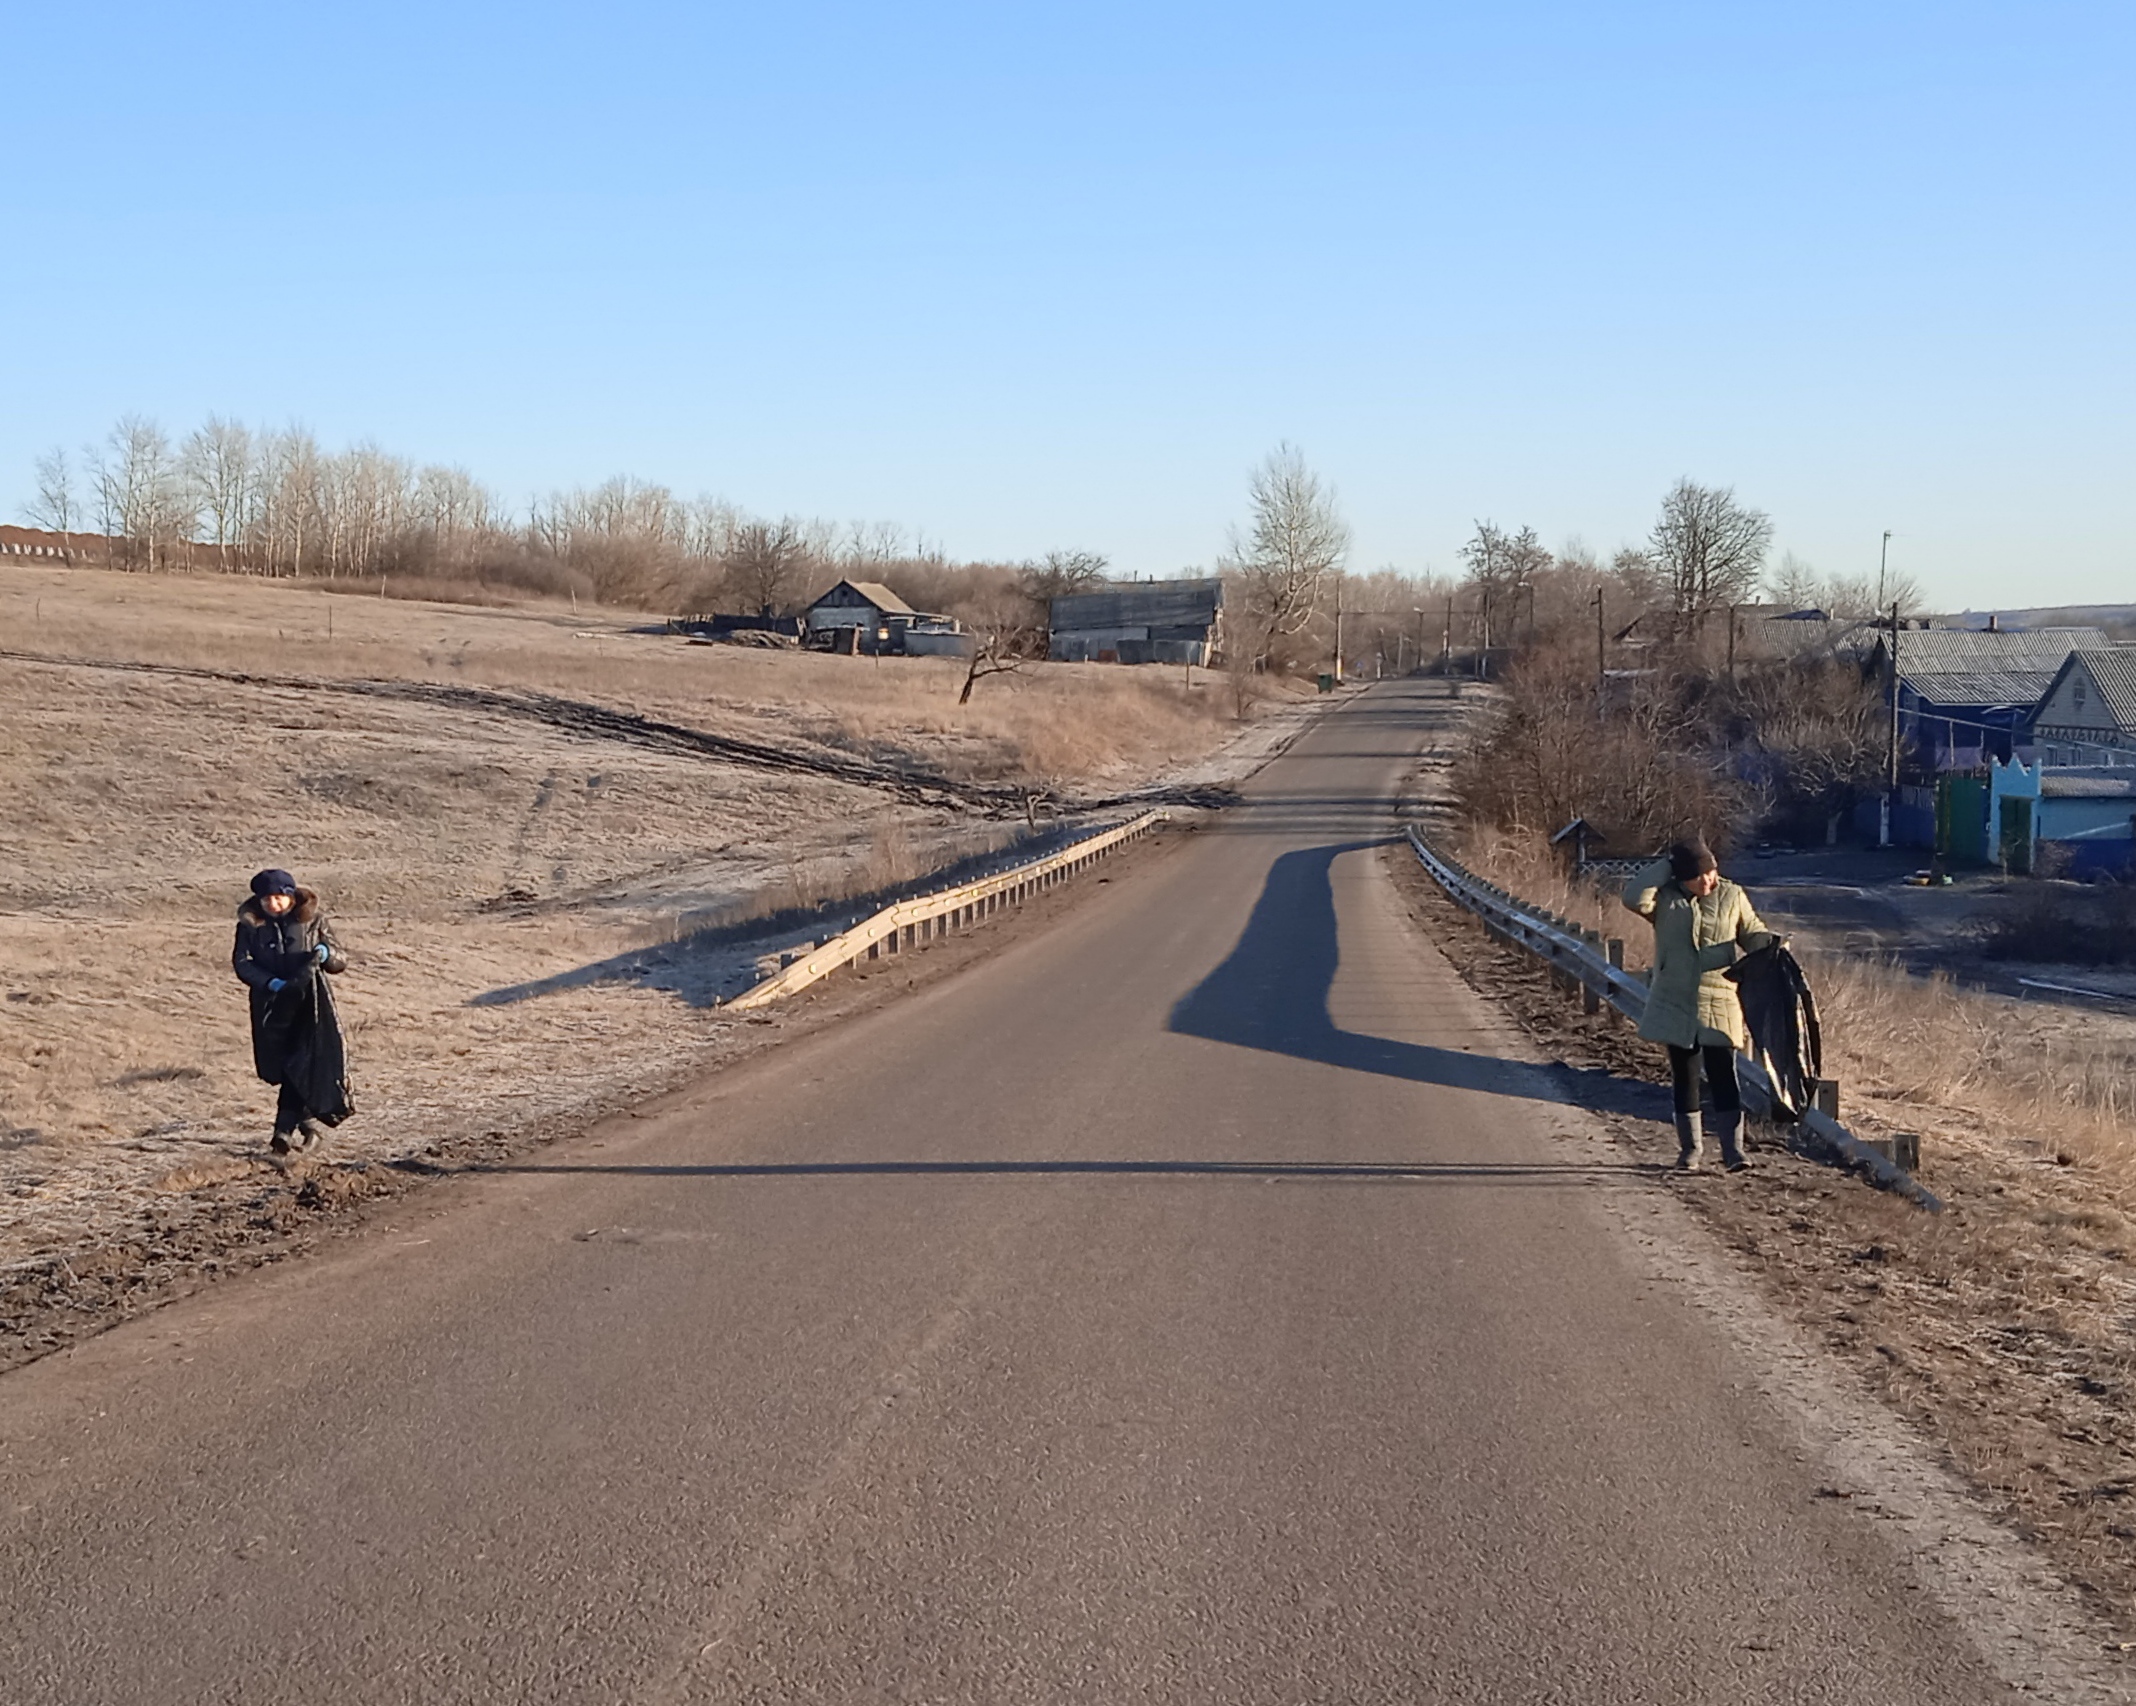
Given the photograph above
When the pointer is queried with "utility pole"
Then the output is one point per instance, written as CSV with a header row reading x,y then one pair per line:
x,y
1883,560
1891,797
1731,644
1338,630
1894,744
1601,650
1446,643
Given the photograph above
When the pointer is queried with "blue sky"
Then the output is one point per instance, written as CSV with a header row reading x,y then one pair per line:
x,y
1034,277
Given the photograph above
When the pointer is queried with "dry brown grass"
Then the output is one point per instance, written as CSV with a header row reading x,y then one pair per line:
x,y
526,907
1049,725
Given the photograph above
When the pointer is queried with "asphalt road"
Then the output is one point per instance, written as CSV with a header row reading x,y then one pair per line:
x,y
1182,1305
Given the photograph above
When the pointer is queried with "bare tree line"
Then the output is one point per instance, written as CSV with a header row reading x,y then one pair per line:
x,y
277,503
1704,560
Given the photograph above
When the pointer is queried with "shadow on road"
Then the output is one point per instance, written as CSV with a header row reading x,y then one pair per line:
x,y
1271,993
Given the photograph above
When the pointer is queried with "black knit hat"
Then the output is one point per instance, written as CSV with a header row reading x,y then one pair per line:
x,y
273,882
1691,858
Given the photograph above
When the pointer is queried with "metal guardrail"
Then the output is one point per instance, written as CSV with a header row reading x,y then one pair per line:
x,y
927,916
1578,955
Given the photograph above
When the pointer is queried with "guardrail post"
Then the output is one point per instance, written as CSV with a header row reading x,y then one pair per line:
x,y
1590,996
1824,1096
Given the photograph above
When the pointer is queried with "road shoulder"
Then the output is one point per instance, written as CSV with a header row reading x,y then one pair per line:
x,y
2044,1627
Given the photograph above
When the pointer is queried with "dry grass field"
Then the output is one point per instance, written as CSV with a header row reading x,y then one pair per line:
x,y
519,895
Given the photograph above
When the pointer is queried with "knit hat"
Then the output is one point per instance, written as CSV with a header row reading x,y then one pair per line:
x,y
273,882
1691,859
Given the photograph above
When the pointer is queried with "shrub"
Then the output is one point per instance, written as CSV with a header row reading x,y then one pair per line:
x,y
2064,926
1645,767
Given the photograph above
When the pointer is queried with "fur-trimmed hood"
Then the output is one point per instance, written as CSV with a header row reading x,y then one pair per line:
x,y
250,911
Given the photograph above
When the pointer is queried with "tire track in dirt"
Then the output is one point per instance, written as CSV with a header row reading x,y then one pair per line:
x,y
602,722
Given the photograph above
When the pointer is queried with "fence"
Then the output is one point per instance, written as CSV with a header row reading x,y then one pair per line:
x,y
911,922
1581,956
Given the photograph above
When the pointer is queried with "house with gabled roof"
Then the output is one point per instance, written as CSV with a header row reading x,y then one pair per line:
x,y
866,616
1966,695
2088,713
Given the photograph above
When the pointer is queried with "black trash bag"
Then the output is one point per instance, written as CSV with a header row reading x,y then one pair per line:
x,y
1781,1015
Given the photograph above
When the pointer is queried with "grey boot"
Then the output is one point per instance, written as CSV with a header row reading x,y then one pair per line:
x,y
1725,1127
1688,1136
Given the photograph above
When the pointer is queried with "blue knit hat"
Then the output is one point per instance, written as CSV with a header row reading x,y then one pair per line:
x,y
273,882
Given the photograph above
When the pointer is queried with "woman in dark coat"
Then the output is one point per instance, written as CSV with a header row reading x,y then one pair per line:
x,y
283,944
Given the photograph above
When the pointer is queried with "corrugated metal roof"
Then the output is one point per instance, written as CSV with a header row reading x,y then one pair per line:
x,y
1973,666
881,597
2113,672
876,594
2007,687
1994,649
1156,604
2088,784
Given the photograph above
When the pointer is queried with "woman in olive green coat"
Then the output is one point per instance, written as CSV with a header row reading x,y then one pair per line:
x,y
1702,924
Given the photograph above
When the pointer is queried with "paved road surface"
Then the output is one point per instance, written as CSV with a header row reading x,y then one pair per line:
x,y
1184,1305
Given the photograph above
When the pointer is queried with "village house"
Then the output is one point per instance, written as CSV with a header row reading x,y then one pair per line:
x,y
867,617
1966,696
2088,713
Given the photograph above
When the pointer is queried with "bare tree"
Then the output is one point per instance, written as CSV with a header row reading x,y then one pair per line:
x,y
1710,548
1059,574
1502,568
454,512
764,563
1297,540
871,545
1531,562
1005,632
141,501
1855,598
223,475
292,515
55,507
1490,574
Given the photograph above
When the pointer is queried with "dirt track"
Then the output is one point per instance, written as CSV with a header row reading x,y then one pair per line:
x,y
601,722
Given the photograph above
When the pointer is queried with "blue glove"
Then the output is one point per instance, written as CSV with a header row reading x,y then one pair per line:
x,y
275,985
322,953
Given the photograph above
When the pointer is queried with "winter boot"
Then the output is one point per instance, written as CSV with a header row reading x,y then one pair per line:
x,y
308,1135
1688,1137
279,1143
1725,1127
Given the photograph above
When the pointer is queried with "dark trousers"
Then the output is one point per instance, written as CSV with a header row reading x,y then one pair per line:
x,y
1720,1077
289,1108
